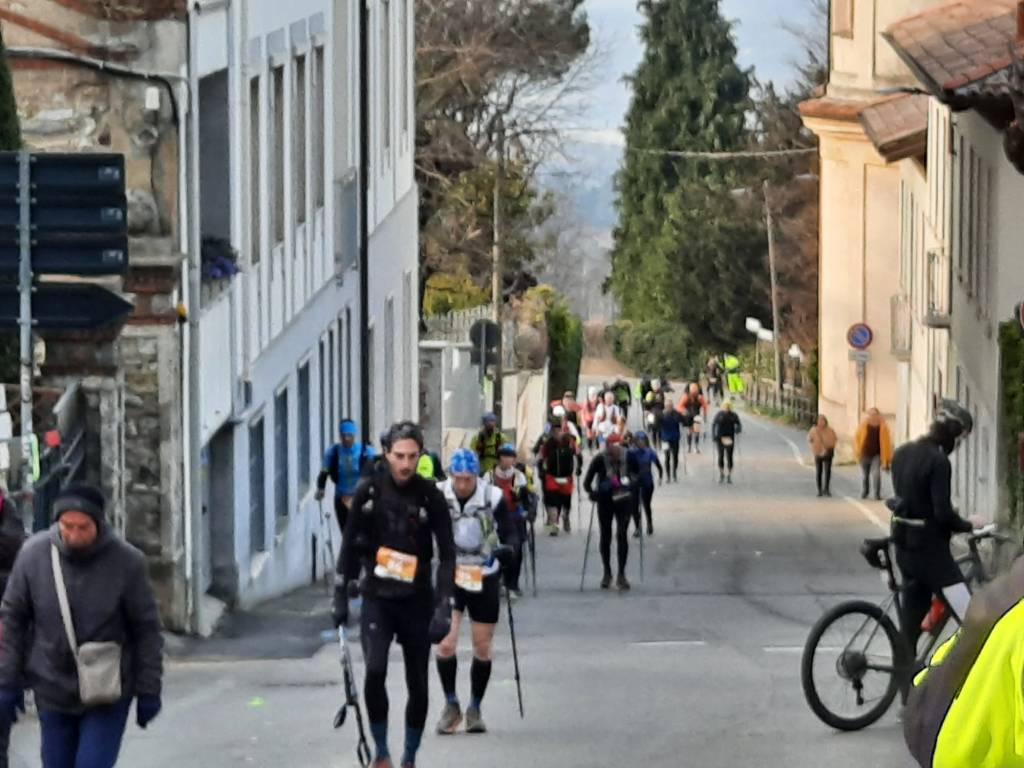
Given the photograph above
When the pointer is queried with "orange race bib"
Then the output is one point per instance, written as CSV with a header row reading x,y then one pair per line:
x,y
469,578
395,566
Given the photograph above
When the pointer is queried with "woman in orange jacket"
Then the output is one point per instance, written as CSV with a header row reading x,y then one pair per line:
x,y
873,446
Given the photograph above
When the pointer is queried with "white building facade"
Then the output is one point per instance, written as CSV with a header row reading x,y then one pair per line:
x,y
281,340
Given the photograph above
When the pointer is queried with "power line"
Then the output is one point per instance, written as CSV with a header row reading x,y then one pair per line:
x,y
739,155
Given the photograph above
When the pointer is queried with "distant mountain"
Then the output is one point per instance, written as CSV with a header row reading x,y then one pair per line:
x,y
585,176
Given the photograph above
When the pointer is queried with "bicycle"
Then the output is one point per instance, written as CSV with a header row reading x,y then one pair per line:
x,y
875,663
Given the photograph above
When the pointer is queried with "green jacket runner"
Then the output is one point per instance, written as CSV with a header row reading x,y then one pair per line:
x,y
967,708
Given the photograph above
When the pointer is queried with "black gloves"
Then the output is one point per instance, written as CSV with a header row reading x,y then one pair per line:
x,y
343,592
440,622
505,555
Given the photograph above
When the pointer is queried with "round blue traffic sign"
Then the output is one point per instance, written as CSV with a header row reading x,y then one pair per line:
x,y
860,336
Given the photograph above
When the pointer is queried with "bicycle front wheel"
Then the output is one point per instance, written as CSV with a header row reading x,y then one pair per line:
x,y
851,664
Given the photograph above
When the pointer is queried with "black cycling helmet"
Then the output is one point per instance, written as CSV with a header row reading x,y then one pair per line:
x,y
951,424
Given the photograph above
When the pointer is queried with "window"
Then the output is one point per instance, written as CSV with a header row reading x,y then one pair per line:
x,y
257,490
299,140
962,209
410,335
325,424
349,405
332,377
842,18
254,170
371,357
277,146
406,92
385,75
319,93
303,416
281,453
389,360
342,371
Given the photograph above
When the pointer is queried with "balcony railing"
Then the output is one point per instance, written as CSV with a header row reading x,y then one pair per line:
x,y
901,326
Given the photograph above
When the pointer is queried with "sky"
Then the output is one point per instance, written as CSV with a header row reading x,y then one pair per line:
x,y
762,45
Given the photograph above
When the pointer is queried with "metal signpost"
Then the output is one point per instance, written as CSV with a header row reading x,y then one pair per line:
x,y
59,214
860,336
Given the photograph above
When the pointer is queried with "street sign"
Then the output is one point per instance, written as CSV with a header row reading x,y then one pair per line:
x,y
485,335
860,356
860,336
78,214
65,307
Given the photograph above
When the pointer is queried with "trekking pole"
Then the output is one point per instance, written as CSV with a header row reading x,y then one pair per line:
x,y
352,700
532,546
640,528
328,539
586,552
515,652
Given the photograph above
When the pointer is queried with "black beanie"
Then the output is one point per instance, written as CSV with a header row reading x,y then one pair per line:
x,y
81,498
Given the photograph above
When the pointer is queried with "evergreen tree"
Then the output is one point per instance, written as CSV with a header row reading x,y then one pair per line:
x,y
10,130
687,250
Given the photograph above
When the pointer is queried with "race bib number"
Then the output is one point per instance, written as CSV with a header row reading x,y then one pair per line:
x,y
562,480
395,566
727,441
469,578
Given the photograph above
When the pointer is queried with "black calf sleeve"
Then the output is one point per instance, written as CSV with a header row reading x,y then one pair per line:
x,y
448,670
479,676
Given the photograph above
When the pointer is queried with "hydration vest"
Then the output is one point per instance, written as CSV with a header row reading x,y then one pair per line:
x,y
473,525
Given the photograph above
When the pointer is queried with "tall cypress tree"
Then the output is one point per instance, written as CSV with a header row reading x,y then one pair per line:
x,y
10,130
687,251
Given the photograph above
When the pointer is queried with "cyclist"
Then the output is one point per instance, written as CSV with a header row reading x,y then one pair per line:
x,y
925,519
645,459
345,463
397,516
485,539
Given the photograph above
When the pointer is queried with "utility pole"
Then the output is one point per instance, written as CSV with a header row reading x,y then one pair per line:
x,y
25,322
776,328
497,271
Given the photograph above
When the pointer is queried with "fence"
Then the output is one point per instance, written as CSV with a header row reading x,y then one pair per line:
x,y
765,393
454,327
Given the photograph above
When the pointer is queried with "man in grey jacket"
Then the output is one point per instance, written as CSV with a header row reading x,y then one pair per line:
x,y
110,600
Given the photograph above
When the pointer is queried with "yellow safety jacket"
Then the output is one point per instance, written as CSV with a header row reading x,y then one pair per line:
x,y
967,708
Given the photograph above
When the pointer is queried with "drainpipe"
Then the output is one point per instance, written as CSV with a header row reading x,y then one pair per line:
x,y
364,218
193,436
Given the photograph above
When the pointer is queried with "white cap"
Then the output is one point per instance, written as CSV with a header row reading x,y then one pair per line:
x,y
592,391
558,411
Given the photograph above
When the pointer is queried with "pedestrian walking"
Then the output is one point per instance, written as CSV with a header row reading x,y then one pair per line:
x,y
345,463
81,629
671,434
693,407
515,490
715,379
873,446
486,538
822,439
12,536
609,419
654,409
560,464
623,396
609,483
725,431
646,460
487,442
587,416
397,518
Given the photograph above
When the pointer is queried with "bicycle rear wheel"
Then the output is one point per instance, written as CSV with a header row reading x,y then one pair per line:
x,y
851,665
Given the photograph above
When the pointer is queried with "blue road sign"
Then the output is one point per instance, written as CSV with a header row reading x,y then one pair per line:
x,y
860,336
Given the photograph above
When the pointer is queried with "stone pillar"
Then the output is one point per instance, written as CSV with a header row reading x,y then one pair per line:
x,y
151,351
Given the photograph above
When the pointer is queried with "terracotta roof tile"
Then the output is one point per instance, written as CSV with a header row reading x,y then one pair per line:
x,y
897,126
958,43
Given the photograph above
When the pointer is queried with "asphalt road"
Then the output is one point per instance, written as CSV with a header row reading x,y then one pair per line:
x,y
697,666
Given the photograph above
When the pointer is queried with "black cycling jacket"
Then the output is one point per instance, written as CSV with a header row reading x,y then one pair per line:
x,y
921,475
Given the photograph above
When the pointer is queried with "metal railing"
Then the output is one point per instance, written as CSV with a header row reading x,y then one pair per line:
x,y
765,393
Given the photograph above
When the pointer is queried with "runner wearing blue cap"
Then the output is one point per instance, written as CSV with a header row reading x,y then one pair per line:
x,y
345,463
